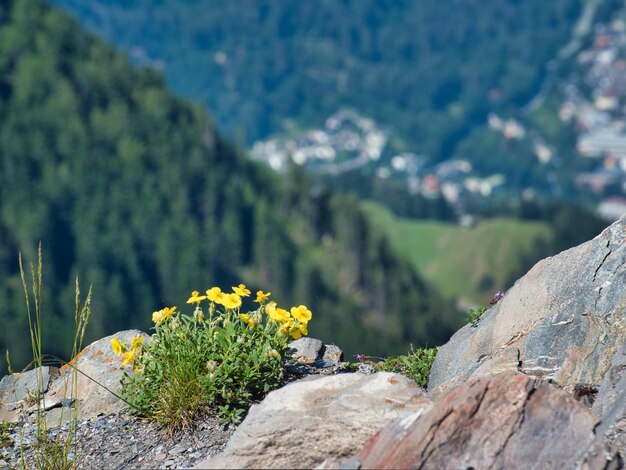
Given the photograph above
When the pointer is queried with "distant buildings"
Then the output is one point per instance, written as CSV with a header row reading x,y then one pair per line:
x,y
596,109
346,142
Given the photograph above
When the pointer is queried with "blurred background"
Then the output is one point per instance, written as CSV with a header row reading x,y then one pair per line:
x,y
390,164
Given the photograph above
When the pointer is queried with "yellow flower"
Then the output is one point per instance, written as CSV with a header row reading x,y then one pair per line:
x,y
247,319
231,301
157,317
301,313
298,331
128,356
117,346
167,311
137,341
214,294
286,326
280,315
196,298
241,290
262,297
163,314
270,307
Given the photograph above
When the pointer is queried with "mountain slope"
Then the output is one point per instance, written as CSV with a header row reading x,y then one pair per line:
x,y
135,191
430,70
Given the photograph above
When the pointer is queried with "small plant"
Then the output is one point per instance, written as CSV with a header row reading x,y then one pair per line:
x,y
474,315
5,438
217,359
416,365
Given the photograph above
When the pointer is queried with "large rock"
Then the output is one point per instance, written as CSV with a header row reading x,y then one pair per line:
x,y
563,321
97,382
500,421
302,424
98,379
19,391
610,403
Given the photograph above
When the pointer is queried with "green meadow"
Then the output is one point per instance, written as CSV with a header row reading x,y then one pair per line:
x,y
468,265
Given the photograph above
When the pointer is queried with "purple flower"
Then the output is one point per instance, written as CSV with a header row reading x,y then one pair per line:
x,y
361,357
497,297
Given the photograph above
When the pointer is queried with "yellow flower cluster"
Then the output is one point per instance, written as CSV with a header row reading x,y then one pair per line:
x,y
294,323
231,300
120,348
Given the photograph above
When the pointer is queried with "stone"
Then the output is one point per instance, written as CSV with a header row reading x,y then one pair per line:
x,y
98,380
507,420
332,353
309,349
610,402
19,391
303,423
565,319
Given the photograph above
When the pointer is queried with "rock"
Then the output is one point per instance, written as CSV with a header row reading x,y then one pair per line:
x,y
303,423
506,420
610,403
20,391
332,353
98,368
565,318
366,369
309,349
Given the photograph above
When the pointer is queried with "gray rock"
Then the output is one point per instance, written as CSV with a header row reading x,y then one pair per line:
x,y
303,423
21,390
610,403
97,382
98,377
306,348
566,317
500,421
332,353
366,369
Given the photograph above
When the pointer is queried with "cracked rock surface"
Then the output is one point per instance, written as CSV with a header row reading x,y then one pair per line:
x,y
303,423
563,321
506,420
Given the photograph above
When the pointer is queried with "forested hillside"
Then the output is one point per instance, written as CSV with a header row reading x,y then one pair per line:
x,y
429,69
135,191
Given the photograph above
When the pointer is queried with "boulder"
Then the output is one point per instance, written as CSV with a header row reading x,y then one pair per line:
x,y
506,420
306,348
98,378
332,353
311,349
610,403
563,321
97,382
303,423
22,389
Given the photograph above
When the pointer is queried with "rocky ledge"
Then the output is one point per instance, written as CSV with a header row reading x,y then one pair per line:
x,y
538,382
